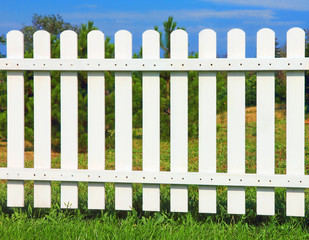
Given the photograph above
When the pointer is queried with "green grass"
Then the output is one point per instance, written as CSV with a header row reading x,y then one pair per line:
x,y
81,223
56,223
62,225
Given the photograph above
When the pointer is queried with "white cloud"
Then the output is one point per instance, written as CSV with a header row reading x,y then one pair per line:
x,y
297,5
197,29
86,6
178,14
276,23
261,14
12,25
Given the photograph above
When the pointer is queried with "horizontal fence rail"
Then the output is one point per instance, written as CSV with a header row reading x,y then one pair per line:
x,y
179,178
150,65
162,177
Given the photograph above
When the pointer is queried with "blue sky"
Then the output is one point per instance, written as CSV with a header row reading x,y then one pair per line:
x,y
195,15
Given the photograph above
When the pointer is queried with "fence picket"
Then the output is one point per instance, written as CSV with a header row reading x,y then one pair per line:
x,y
42,119
15,119
236,122
295,134
151,120
207,121
96,120
265,122
123,120
69,119
179,120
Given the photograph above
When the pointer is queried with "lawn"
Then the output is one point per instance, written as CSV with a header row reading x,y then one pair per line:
x,y
56,223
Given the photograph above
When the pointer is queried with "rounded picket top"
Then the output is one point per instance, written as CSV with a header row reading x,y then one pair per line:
x,y
95,44
68,34
123,44
236,43
151,44
123,33
265,32
15,34
15,44
235,32
296,31
97,33
179,33
207,43
295,42
68,44
265,43
41,44
151,34
207,33
179,44
41,34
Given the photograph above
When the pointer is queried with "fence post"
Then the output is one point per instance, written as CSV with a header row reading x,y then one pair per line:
x,y
42,119
15,119
236,122
179,120
265,123
151,120
69,119
207,121
123,120
295,134
96,120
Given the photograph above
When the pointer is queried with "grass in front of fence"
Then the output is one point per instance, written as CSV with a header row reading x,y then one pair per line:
x,y
54,223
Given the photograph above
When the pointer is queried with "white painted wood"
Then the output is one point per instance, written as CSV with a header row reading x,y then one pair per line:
x,y
156,65
151,120
295,134
96,120
15,119
236,122
179,120
42,119
207,179
265,126
69,119
207,121
162,177
123,120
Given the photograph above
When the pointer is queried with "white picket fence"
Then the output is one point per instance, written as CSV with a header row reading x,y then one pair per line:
x,y
151,177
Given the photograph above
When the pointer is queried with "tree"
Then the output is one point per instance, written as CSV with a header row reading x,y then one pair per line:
x,y
279,51
307,73
2,39
54,24
165,43
2,42
165,39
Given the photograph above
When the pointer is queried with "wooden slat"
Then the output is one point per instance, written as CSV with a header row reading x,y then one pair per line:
x,y
42,119
96,120
151,120
15,119
123,120
236,122
179,121
69,119
265,126
295,134
207,121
